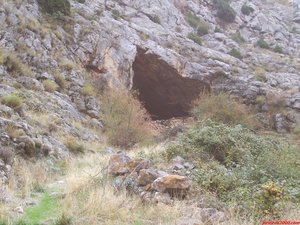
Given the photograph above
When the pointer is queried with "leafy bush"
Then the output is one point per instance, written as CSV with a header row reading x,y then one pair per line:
x,y
195,38
263,44
124,118
55,6
224,10
235,53
222,108
116,14
247,10
246,170
155,19
13,63
13,101
237,38
88,90
197,23
60,80
50,85
278,49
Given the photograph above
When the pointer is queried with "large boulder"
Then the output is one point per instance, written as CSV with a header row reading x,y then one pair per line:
x,y
121,164
147,176
175,185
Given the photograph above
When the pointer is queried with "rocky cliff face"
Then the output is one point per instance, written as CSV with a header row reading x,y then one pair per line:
x,y
152,46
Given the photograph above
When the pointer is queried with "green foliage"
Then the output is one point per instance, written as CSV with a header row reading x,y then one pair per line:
x,y
46,209
278,49
218,30
253,172
81,1
197,23
116,14
124,118
12,100
235,53
55,6
263,44
13,63
247,10
50,85
222,108
237,38
155,19
224,10
195,38
88,90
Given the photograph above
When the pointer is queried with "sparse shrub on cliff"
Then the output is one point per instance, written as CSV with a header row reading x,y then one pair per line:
x,y
60,80
74,146
88,90
197,23
222,108
116,14
195,38
247,10
50,85
124,119
263,44
55,6
155,19
224,10
278,49
13,100
235,53
13,64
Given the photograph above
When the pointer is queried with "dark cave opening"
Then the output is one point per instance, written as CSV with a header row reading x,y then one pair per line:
x,y
164,93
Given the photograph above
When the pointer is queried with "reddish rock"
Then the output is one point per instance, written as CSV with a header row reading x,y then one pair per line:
x,y
147,176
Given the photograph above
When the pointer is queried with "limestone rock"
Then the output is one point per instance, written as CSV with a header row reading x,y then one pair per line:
x,y
117,164
174,184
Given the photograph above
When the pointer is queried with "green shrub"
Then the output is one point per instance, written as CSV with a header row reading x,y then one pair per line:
x,y
235,53
224,10
60,80
247,10
88,90
124,119
241,167
218,30
13,63
50,85
55,6
222,108
278,49
155,19
116,14
237,38
195,38
81,1
12,100
197,23
263,44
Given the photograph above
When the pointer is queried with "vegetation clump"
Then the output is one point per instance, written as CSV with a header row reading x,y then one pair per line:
x,y
197,23
124,118
195,38
263,44
88,90
252,172
222,108
50,85
55,6
235,53
155,19
225,11
247,10
13,100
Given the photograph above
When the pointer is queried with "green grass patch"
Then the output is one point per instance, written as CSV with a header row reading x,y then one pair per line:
x,y
46,209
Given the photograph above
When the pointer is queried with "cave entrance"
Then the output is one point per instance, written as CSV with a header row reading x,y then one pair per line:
x,y
164,93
